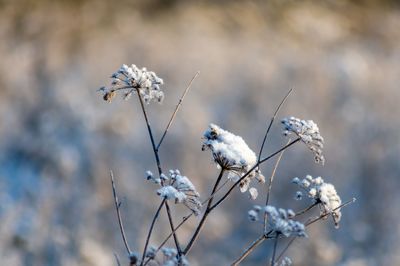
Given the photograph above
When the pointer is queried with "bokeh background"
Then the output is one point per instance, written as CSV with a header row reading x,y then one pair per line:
x,y
59,139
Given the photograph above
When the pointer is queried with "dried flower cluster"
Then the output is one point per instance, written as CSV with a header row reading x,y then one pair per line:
x,y
232,153
234,157
170,258
308,132
181,190
131,79
279,220
322,193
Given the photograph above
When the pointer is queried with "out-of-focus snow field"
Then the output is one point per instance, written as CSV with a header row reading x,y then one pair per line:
x,y
58,138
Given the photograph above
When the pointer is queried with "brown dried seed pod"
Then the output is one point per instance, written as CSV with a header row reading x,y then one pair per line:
x,y
108,96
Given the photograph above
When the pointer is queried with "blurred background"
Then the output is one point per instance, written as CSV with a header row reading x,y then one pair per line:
x,y
59,139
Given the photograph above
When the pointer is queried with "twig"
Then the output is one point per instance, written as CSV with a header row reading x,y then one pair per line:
x,y
328,213
151,230
176,109
117,206
250,249
206,213
271,179
313,221
117,259
271,122
185,218
157,158
306,209
248,172
274,251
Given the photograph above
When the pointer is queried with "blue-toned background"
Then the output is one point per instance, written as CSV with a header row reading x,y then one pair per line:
x,y
58,138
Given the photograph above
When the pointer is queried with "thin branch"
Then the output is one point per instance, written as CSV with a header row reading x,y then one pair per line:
x,y
176,109
271,122
151,230
274,251
157,158
117,206
185,218
306,209
313,221
250,249
328,213
117,259
271,179
206,213
248,172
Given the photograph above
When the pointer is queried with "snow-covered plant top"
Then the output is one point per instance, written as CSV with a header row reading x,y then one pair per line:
x,y
308,132
232,153
323,194
279,220
182,190
130,79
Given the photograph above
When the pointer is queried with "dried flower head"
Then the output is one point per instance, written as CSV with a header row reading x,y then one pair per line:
x,y
280,221
324,194
308,132
171,259
182,191
232,153
131,79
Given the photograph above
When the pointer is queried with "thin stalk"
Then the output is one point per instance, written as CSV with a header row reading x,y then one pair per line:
x,y
250,249
205,215
313,221
117,207
151,230
271,179
157,158
271,122
176,109
184,220
306,209
254,167
274,251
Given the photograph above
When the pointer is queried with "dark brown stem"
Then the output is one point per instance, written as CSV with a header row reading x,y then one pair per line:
x,y
157,158
271,122
151,230
252,169
250,249
313,221
176,110
184,220
120,223
306,209
206,213
274,251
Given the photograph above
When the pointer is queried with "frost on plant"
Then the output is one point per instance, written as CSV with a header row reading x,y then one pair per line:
x,y
308,132
131,79
323,194
181,190
286,261
170,258
279,220
231,153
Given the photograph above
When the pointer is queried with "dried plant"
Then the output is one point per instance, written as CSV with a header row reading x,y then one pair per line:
x,y
239,164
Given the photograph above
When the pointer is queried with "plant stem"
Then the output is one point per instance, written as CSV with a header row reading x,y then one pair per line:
x,y
250,249
254,167
271,122
151,231
157,158
206,213
274,251
176,109
117,206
